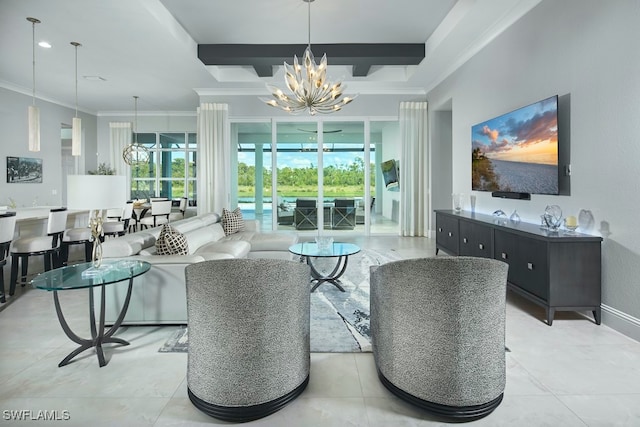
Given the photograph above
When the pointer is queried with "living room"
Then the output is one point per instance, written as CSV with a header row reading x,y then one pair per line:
x,y
581,51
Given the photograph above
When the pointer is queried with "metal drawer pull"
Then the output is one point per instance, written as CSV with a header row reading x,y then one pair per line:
x,y
530,266
481,246
465,240
504,255
450,234
439,229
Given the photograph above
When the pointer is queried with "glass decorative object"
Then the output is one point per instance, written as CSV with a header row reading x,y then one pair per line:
x,y
552,217
586,220
514,216
458,202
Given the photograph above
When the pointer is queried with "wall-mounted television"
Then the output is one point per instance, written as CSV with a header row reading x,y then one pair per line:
x,y
517,152
390,174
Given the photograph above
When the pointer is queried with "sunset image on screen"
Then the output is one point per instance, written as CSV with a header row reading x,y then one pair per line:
x,y
518,151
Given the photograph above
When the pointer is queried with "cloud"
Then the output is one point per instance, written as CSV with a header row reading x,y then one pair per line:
x,y
540,127
494,147
492,134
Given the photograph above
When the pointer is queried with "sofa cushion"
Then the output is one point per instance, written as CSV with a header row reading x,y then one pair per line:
x,y
119,247
232,221
171,242
143,238
272,241
236,248
209,218
204,235
187,225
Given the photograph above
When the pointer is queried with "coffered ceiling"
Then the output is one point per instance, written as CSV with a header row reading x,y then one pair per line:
x,y
168,51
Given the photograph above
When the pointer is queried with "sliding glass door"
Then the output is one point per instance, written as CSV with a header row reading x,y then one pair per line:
x,y
314,177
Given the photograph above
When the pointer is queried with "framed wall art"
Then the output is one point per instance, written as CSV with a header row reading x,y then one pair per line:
x,y
26,170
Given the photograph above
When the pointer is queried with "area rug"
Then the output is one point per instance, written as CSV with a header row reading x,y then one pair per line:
x,y
339,320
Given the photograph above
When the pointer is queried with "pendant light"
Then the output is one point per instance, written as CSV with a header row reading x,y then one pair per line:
x,y
76,128
135,153
34,112
310,89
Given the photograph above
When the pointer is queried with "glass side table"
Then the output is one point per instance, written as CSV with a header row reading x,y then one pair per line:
x,y
308,250
82,276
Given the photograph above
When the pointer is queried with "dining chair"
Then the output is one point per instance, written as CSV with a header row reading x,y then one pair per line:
x,y
183,208
7,230
48,246
120,227
160,211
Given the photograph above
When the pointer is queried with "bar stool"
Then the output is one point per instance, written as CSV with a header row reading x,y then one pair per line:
x,y
120,227
160,210
76,236
48,245
7,230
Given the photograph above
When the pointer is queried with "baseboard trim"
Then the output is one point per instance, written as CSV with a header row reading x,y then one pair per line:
x,y
621,322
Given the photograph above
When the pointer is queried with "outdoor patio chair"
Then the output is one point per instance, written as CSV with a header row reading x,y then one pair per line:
x,y
343,214
305,214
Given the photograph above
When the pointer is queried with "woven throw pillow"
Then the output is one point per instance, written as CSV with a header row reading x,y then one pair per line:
x,y
232,222
171,242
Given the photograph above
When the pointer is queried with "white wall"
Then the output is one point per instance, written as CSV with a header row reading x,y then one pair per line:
x,y
586,49
13,122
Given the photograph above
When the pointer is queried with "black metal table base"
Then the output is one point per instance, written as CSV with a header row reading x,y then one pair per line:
x,y
98,335
333,277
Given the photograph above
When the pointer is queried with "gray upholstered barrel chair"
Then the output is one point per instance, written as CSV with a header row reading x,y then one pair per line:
x,y
248,336
438,333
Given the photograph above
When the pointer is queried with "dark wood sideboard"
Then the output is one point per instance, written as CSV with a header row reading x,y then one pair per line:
x,y
560,270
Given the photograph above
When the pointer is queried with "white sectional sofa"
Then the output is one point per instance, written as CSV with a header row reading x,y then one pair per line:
x,y
159,296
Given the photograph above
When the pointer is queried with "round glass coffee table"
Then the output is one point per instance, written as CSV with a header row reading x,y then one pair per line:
x,y
310,250
86,276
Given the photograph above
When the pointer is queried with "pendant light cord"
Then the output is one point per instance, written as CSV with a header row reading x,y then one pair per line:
x,y
135,118
76,44
33,54
309,21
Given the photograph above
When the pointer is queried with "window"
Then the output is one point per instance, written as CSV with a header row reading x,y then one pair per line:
x,y
171,169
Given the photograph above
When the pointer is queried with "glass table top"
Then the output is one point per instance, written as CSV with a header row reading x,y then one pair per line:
x,y
334,250
86,276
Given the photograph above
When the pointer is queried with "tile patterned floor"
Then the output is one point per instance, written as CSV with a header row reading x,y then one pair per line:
x,y
574,373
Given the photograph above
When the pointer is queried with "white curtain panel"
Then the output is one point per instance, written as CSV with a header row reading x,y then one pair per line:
x,y
414,173
213,158
120,135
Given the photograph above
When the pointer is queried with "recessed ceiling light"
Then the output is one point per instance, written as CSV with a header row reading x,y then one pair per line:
x,y
45,44
94,78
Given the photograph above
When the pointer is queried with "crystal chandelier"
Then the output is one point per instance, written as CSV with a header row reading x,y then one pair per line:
x,y
310,88
134,153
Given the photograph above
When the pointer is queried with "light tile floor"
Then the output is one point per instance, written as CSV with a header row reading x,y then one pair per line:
x,y
574,373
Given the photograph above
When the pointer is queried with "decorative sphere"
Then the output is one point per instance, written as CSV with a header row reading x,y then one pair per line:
x,y
135,153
